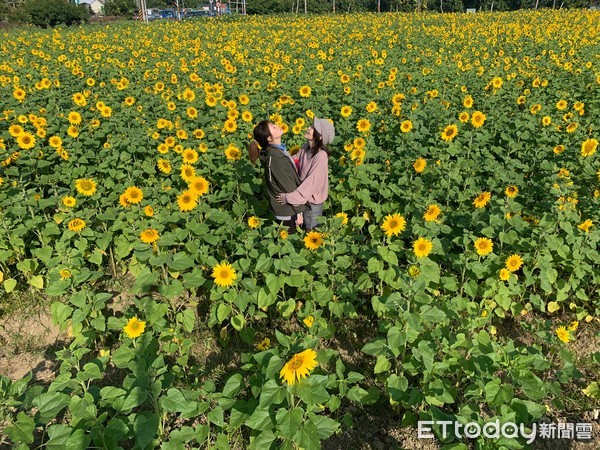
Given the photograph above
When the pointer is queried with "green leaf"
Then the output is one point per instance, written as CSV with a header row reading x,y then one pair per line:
x,y
59,435
271,393
37,281
289,421
60,313
181,261
188,319
263,441
22,429
233,386
238,322
325,425
135,398
144,282
312,390
193,279
260,420
174,401
216,416
145,427
307,437
265,298
49,405
79,440
592,390
9,285
382,364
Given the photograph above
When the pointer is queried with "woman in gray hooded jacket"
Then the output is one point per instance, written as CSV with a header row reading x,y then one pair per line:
x,y
280,171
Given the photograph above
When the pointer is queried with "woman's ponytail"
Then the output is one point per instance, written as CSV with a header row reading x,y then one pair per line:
x,y
253,150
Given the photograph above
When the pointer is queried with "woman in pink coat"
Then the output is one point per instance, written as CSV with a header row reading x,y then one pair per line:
x,y
313,167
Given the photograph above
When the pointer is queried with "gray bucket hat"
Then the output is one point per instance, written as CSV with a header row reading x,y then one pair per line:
x,y
325,129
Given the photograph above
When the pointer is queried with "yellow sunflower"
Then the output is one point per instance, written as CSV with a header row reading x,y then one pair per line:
x,y
164,166
484,246
313,240
393,225
55,141
363,125
149,211
305,91
69,201
264,344
346,111
65,274
299,366
482,199
85,186
504,274
187,201
406,126
134,195
134,328
76,225
563,334
511,191
189,156
343,216
420,165
588,147
233,153
422,247
477,119
149,236
26,141
224,274
253,222
513,263
586,225
16,130
199,186
74,118
432,213
449,132
187,172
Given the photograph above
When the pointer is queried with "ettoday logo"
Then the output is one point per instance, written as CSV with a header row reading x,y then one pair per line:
x,y
509,430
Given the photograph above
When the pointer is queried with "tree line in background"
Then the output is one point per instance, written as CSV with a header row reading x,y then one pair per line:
x,y
47,13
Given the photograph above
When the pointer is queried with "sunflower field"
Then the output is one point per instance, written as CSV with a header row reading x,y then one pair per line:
x,y
460,243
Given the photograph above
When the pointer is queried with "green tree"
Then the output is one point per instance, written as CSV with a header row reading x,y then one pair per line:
x,y
123,8
49,13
